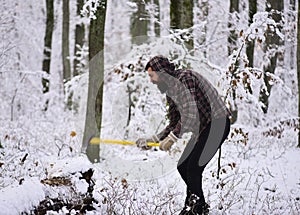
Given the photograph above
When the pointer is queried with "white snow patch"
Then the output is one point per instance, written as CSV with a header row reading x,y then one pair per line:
x,y
16,198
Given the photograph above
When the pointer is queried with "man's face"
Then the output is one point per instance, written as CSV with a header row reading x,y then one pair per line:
x,y
154,78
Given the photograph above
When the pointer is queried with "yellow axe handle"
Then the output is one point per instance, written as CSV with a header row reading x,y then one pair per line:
x,y
97,140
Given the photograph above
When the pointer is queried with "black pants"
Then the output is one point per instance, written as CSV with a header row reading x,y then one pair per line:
x,y
208,142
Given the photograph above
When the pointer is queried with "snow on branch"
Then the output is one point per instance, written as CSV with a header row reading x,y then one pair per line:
x,y
261,23
90,7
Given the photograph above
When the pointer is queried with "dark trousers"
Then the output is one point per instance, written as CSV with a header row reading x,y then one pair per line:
x,y
208,142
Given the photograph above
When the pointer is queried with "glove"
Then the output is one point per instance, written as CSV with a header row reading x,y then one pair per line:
x,y
142,142
166,143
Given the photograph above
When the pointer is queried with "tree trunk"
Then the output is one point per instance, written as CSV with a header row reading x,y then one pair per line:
x,y
48,43
95,87
290,37
139,23
157,16
47,47
272,42
181,15
232,39
202,17
250,44
79,38
298,67
233,35
65,41
292,10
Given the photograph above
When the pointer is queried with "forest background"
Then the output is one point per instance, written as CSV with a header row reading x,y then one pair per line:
x,y
70,70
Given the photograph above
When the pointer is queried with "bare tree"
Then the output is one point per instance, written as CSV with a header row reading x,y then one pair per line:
x,y
139,23
290,35
272,48
95,87
232,45
298,67
157,16
250,44
79,37
202,16
48,45
233,35
65,41
181,15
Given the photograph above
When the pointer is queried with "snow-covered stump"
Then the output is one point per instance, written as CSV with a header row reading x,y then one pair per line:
x,y
71,193
68,194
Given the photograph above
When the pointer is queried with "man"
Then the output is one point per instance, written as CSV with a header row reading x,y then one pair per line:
x,y
193,106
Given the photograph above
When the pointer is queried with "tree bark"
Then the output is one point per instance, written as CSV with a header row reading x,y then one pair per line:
x,y
157,16
203,6
232,39
250,44
48,43
298,68
65,41
233,35
290,36
79,37
95,87
273,42
181,15
139,23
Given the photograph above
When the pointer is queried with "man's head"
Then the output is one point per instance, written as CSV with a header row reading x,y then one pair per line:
x,y
158,65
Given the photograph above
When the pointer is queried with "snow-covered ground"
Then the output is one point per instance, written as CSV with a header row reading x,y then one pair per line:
x,y
259,175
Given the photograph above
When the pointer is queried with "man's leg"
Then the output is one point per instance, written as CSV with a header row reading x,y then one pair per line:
x,y
182,169
195,201
191,173
194,171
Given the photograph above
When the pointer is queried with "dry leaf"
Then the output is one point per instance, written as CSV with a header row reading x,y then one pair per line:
x,y
73,134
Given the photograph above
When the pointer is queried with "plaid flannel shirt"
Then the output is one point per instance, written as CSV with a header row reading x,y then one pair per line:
x,y
193,101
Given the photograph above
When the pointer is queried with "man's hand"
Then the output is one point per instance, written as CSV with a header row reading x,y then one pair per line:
x,y
166,143
142,142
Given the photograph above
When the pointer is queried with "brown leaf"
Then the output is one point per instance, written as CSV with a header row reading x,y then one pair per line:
x,y
73,134
125,76
124,183
241,33
117,71
234,83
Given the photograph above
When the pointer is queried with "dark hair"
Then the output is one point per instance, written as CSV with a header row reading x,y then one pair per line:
x,y
147,66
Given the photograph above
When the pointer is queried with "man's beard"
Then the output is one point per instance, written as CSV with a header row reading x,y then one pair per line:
x,y
162,86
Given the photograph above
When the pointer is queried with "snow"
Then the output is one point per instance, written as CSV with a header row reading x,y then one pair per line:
x,y
259,163
263,176
17,198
